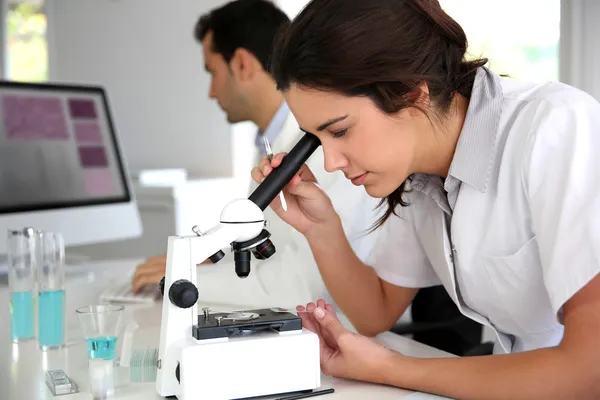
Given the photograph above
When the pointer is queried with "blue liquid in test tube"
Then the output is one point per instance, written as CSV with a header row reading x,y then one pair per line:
x,y
21,315
51,318
51,290
21,281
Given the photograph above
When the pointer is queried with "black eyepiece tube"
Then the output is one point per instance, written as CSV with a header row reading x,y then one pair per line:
x,y
264,194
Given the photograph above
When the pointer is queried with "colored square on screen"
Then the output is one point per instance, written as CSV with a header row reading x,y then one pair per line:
x,y
87,132
99,182
92,157
82,108
34,118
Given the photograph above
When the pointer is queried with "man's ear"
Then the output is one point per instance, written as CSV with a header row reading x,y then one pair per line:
x,y
244,65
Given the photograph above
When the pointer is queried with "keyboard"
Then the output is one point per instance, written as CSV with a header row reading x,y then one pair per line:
x,y
120,292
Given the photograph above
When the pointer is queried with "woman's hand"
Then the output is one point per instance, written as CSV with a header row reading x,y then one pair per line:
x,y
308,205
345,354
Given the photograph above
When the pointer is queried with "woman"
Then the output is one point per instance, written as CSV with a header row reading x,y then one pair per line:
x,y
492,188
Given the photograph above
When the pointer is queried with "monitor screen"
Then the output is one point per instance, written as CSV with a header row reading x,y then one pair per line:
x,y
57,148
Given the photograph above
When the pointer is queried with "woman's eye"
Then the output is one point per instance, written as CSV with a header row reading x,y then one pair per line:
x,y
340,133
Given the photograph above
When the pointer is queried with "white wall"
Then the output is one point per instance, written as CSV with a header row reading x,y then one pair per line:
x,y
143,52
291,7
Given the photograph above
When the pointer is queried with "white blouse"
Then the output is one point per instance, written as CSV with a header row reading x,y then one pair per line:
x,y
518,232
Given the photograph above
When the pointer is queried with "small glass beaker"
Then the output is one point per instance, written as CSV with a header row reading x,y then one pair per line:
x,y
21,277
100,325
51,290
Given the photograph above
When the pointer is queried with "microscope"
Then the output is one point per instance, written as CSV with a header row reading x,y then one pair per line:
x,y
244,353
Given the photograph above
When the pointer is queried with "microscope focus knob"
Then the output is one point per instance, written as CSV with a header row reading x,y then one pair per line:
x,y
183,293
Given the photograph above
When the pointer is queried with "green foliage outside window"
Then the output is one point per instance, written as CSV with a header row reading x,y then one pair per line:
x,y
27,49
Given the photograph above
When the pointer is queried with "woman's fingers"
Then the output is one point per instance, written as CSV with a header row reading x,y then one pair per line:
x,y
265,167
278,159
256,175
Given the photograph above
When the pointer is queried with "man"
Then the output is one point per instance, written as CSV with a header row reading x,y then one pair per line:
x,y
237,41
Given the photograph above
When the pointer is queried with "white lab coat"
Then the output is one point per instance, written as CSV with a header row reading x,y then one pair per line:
x,y
291,276
524,235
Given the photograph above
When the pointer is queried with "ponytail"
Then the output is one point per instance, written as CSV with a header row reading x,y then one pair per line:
x,y
461,72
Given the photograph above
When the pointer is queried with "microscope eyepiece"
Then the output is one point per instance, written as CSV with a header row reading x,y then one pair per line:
x,y
264,194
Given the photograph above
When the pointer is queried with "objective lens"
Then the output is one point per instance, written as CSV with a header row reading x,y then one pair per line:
x,y
265,250
242,263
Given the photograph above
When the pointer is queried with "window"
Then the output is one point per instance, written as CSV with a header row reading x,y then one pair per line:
x,y
519,37
26,47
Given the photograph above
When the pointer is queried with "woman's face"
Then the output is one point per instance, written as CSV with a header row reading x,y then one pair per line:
x,y
372,148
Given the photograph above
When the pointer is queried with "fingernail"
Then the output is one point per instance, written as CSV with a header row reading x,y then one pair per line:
x,y
266,169
319,312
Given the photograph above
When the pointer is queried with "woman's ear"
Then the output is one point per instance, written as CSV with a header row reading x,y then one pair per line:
x,y
419,97
244,65
422,95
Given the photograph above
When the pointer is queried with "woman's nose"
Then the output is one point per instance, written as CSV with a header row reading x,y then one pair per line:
x,y
334,160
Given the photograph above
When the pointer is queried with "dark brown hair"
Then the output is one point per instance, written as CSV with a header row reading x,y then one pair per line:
x,y
382,49
249,24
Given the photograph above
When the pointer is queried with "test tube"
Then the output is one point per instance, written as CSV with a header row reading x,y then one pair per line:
x,y
51,287
21,277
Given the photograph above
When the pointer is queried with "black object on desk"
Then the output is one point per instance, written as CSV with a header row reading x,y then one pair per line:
x,y
310,394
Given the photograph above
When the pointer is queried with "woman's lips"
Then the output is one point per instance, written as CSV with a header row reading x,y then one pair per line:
x,y
359,180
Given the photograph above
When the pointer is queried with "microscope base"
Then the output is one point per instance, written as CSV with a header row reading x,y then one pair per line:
x,y
264,363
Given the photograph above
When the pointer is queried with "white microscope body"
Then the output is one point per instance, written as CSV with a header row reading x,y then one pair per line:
x,y
258,364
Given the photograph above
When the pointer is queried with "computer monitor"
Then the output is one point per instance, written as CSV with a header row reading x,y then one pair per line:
x,y
61,165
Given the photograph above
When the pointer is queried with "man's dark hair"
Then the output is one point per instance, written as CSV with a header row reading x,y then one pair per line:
x,y
249,24
380,49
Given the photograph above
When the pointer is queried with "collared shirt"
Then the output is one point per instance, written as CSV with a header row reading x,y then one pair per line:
x,y
274,129
514,230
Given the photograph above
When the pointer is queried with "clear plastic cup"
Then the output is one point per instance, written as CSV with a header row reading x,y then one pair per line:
x,y
100,325
21,246
51,290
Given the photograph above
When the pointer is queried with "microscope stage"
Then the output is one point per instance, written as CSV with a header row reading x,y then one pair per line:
x,y
244,323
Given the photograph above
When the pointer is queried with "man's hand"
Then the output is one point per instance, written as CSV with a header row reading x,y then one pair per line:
x,y
151,272
345,354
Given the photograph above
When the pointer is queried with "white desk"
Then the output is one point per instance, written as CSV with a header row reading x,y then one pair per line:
x,y
22,366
